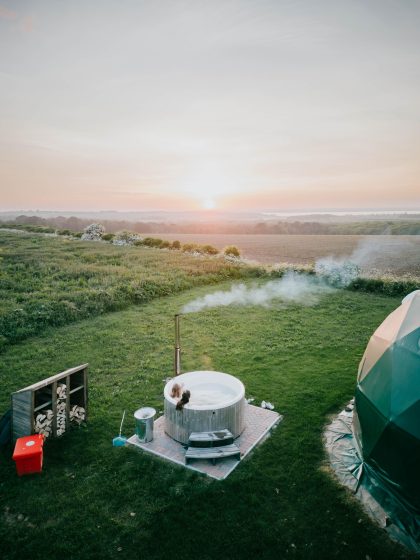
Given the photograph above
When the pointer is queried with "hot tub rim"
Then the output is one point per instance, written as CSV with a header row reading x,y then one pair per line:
x,y
239,394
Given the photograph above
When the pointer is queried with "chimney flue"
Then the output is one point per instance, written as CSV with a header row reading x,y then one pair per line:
x,y
177,361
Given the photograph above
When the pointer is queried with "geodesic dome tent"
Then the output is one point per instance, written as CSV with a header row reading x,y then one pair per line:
x,y
386,422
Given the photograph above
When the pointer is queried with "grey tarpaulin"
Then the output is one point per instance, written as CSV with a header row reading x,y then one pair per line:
x,y
382,503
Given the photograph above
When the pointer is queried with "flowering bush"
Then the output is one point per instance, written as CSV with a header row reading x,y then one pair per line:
x,y
94,232
126,238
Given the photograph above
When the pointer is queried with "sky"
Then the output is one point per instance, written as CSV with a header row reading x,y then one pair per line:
x,y
217,104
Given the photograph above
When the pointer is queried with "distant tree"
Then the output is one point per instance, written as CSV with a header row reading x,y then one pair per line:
x,y
261,227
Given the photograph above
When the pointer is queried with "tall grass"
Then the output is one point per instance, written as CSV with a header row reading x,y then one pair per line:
x,y
54,281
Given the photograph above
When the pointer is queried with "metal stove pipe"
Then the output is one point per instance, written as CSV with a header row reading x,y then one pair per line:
x,y
177,362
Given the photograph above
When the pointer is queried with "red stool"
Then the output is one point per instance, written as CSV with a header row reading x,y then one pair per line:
x,y
28,454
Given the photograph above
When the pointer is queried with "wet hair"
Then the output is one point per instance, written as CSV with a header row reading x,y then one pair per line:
x,y
183,400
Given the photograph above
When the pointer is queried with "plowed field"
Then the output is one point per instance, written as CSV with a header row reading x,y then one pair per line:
x,y
397,255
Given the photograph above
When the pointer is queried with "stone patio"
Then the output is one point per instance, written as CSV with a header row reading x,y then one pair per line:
x,y
258,424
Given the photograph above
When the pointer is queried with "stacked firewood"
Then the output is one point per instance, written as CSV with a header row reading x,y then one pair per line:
x,y
61,391
44,422
44,419
77,414
61,408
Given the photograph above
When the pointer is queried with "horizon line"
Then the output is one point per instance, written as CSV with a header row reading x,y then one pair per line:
x,y
216,211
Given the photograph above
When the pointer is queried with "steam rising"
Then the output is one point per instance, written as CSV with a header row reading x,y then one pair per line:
x,y
292,287
337,273
298,288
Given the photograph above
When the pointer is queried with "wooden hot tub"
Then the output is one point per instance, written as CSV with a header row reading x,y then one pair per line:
x,y
217,402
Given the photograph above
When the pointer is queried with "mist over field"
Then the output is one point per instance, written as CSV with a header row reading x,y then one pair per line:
x,y
298,288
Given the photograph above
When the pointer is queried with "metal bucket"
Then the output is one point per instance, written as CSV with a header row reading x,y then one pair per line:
x,y
144,423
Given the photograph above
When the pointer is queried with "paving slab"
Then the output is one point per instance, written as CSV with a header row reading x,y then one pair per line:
x,y
259,422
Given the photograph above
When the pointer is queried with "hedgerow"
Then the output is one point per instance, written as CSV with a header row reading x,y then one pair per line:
x,y
387,286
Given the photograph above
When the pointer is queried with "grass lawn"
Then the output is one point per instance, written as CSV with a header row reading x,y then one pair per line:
x,y
96,501
47,281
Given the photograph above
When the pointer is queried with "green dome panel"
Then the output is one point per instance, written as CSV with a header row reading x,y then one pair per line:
x,y
409,421
396,457
405,379
377,385
373,421
386,421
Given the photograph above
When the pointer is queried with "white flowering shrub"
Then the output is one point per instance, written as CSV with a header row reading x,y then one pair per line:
x,y
126,238
94,232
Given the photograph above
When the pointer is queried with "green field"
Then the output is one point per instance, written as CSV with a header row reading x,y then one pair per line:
x,y
48,281
95,501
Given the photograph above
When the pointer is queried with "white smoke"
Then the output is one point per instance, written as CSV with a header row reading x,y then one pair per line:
x,y
380,252
372,256
291,288
304,289
337,273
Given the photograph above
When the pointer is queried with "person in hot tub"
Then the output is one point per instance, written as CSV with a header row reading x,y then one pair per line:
x,y
183,400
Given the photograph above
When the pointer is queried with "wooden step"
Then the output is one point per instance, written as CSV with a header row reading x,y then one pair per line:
x,y
212,453
217,438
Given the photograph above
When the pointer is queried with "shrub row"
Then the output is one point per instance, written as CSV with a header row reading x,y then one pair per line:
x,y
386,286
193,248
131,238
40,229
27,227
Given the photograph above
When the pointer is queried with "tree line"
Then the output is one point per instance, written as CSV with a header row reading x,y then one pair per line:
x,y
374,227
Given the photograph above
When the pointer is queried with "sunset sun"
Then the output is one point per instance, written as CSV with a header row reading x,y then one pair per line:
x,y
208,203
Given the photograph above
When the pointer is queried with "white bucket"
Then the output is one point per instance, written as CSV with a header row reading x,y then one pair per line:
x,y
144,423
